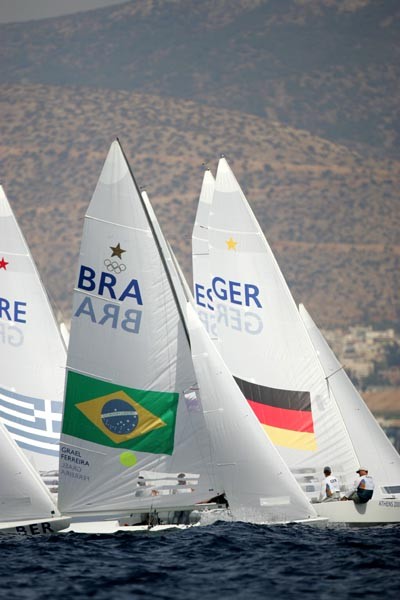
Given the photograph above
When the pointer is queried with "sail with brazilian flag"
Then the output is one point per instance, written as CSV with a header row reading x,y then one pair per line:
x,y
264,342
128,430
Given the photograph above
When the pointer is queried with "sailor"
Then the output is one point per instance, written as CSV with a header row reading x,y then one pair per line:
x,y
182,516
330,489
142,491
363,488
221,500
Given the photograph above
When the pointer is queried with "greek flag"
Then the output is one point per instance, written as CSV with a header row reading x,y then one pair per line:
x,y
34,424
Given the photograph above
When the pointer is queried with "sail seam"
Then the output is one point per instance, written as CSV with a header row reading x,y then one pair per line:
x,y
116,224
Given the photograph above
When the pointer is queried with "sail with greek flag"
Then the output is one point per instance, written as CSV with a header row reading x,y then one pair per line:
x,y
130,419
32,351
26,505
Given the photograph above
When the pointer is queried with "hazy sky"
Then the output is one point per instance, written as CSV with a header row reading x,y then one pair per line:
x,y
25,10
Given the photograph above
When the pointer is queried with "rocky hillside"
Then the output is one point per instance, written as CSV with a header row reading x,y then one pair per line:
x,y
330,67
330,214
302,96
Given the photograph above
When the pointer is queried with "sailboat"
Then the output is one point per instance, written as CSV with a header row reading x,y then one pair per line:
x,y
257,481
265,345
32,353
370,442
135,439
247,467
132,432
26,505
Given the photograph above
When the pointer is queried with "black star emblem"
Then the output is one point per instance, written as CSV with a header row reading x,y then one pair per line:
x,y
117,251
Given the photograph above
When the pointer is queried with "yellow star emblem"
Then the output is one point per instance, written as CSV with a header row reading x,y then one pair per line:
x,y
117,251
231,244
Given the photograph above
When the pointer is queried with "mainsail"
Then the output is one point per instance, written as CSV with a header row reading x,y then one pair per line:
x,y
32,352
372,447
256,480
25,502
264,343
133,429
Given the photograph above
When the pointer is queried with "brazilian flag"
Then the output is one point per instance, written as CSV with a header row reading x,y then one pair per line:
x,y
119,417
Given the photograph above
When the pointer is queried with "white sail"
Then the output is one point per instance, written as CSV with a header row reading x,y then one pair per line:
x,y
133,429
256,480
176,278
32,352
372,447
26,506
201,255
264,343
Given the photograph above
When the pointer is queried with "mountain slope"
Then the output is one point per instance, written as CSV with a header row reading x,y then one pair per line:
x,y
331,217
331,67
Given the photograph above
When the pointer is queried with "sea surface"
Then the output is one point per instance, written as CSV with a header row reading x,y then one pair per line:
x,y
223,560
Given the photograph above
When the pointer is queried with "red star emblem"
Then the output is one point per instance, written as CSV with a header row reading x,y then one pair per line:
x,y
3,263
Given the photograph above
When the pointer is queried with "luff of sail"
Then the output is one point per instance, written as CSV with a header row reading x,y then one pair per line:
x,y
372,447
264,343
32,351
131,434
257,482
200,253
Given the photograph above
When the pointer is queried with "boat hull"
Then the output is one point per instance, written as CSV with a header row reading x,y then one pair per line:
x,y
30,528
374,512
111,527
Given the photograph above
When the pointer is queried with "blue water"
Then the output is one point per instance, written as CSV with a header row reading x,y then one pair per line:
x,y
223,560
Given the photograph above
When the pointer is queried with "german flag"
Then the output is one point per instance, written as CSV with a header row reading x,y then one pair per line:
x,y
285,415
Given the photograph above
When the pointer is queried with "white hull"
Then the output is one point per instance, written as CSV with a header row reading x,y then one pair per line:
x,y
32,527
111,527
207,518
374,512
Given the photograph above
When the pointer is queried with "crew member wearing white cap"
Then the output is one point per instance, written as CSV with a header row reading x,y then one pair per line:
x,y
363,488
330,489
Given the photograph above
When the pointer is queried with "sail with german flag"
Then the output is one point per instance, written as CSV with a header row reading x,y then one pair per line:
x,y
285,415
264,342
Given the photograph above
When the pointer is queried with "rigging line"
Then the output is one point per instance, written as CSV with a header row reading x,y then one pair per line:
x,y
334,373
